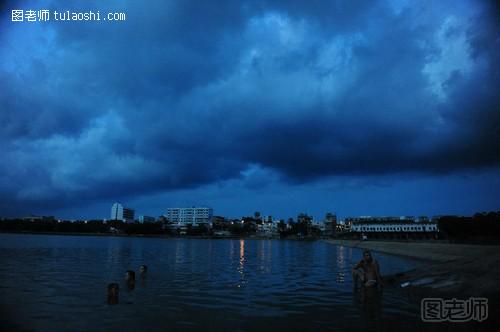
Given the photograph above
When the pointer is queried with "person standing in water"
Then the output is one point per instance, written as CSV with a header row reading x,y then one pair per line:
x,y
130,279
367,271
113,290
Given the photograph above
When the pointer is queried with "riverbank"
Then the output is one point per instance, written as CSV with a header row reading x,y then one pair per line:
x,y
465,269
88,234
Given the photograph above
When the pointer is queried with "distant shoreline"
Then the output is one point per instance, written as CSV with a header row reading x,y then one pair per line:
x,y
88,234
165,236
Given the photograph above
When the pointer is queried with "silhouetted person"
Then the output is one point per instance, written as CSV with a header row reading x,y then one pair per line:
x,y
130,279
143,270
367,271
113,290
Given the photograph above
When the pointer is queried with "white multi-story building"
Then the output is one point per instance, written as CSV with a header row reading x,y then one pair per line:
x,y
190,216
118,212
269,228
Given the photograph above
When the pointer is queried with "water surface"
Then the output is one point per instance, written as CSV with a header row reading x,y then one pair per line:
x,y
58,283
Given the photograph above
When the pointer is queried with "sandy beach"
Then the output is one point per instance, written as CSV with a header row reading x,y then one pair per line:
x,y
465,269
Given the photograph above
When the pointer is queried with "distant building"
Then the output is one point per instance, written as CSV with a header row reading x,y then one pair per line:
x,y
330,224
39,218
370,219
304,218
267,219
392,226
320,225
268,227
118,212
190,216
250,223
146,219
221,223
218,220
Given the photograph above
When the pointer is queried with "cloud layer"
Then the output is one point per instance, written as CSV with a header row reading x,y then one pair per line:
x,y
185,94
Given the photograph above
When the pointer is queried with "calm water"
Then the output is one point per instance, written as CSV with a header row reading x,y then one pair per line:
x,y
56,283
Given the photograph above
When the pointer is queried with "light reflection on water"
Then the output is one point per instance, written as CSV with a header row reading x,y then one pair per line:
x,y
241,267
341,265
59,283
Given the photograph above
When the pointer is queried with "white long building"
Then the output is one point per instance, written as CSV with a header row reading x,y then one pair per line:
x,y
394,227
190,216
403,224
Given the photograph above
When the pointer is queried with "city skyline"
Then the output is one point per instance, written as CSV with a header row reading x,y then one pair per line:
x,y
380,108
117,213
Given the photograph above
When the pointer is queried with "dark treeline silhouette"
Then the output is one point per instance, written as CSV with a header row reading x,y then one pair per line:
x,y
480,227
91,226
245,228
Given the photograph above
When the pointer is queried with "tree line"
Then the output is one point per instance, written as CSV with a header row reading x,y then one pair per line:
x,y
90,226
244,227
480,227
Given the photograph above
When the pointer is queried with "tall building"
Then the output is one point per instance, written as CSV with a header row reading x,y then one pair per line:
x,y
118,212
193,215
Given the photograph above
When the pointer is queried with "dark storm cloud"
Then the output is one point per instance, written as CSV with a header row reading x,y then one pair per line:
x,y
188,93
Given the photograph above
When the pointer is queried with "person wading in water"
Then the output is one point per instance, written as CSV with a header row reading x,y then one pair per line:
x,y
367,271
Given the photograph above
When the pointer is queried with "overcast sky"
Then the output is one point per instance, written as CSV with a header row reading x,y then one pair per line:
x,y
353,107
